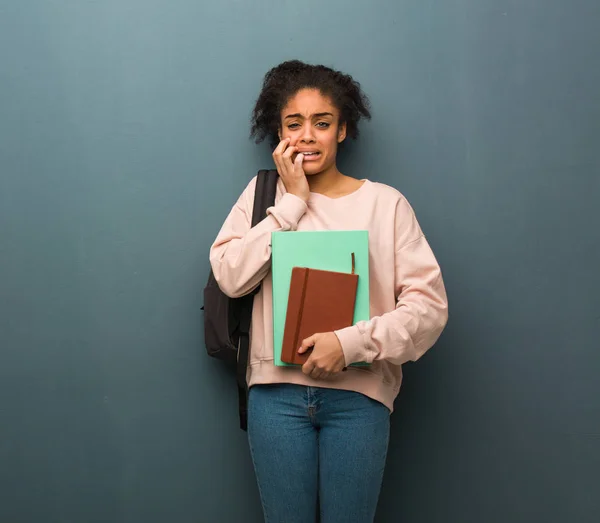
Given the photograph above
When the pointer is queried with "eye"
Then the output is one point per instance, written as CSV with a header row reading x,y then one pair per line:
x,y
293,126
323,125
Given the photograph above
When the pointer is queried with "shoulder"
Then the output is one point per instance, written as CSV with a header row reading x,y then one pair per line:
x,y
391,200
388,195
386,191
247,194
251,186
246,198
250,189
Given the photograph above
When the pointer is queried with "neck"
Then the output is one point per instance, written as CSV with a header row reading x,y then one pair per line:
x,y
324,181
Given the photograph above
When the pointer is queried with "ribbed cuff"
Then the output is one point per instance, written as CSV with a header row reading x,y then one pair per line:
x,y
288,211
353,345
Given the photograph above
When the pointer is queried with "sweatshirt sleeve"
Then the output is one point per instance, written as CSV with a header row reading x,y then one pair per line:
x,y
407,332
240,256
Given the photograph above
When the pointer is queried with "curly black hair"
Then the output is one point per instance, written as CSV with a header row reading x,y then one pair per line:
x,y
285,80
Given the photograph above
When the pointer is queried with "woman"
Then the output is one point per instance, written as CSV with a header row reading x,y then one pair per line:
x,y
321,431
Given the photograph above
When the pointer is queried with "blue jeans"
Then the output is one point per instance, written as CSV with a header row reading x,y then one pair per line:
x,y
310,443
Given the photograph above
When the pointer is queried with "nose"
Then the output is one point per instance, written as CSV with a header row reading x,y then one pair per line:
x,y
307,135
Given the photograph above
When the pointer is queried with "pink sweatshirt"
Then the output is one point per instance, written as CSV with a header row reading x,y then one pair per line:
x,y
408,300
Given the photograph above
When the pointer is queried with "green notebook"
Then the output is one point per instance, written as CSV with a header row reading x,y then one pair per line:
x,y
325,250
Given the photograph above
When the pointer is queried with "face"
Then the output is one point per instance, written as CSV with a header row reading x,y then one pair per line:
x,y
311,122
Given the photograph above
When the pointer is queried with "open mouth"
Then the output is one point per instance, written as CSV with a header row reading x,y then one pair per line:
x,y
311,155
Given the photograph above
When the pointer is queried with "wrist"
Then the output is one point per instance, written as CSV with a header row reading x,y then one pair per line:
x,y
300,193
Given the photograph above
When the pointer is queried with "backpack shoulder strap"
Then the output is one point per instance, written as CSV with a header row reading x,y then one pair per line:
x,y
264,197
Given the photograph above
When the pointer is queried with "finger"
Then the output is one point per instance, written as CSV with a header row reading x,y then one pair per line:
x,y
289,152
277,156
281,147
278,164
337,368
287,159
308,343
282,165
313,369
325,375
308,367
317,374
298,162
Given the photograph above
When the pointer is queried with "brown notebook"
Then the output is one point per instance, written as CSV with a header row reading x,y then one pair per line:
x,y
319,301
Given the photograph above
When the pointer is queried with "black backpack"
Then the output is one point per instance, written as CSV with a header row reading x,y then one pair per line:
x,y
227,320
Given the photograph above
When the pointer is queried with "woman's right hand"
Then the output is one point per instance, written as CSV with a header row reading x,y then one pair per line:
x,y
291,172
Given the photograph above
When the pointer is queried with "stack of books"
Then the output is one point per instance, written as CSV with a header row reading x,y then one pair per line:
x,y
320,284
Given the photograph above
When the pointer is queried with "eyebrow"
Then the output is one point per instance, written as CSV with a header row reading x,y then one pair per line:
x,y
317,115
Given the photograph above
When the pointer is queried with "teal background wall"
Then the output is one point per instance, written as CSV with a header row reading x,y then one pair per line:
x,y
123,144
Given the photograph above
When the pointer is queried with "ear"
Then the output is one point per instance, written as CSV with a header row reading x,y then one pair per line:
x,y
341,132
